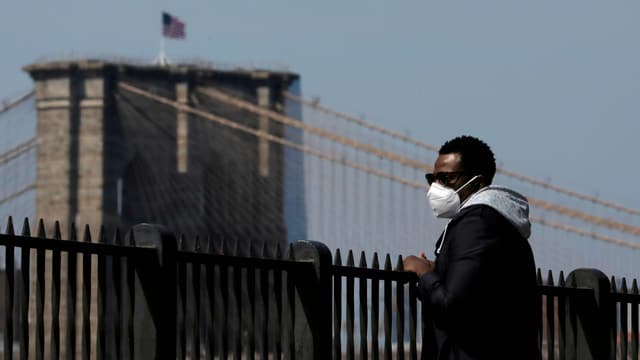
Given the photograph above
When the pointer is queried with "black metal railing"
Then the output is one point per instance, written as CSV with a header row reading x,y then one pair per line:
x,y
45,306
397,286
235,306
625,329
110,298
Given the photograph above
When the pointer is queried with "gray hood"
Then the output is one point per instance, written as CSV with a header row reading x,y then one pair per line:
x,y
507,202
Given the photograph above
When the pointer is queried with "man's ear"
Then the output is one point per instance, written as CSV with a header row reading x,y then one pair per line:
x,y
481,182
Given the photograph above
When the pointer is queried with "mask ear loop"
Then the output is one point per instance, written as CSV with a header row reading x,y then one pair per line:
x,y
467,183
444,234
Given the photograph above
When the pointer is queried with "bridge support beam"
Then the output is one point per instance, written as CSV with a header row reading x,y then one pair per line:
x,y
263,93
182,128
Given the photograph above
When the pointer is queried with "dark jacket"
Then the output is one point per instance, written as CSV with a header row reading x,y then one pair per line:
x,y
481,298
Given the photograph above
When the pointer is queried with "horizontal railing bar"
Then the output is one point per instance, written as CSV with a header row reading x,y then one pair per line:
x,y
564,291
627,298
405,277
243,262
364,273
74,246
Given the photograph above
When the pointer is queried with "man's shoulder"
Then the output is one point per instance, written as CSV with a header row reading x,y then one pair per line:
x,y
481,214
486,215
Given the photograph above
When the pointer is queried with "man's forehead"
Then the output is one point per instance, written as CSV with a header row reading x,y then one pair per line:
x,y
448,162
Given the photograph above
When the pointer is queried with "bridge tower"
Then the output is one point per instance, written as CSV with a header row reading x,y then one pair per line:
x,y
84,150
97,166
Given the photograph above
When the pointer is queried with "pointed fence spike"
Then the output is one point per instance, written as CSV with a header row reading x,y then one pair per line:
x,y
623,287
337,260
223,245
634,287
87,234
363,260
399,264
549,278
387,262
561,279
101,235
278,251
10,230
375,263
209,249
613,284
236,247
252,248
26,228
117,238
73,235
132,238
57,234
290,252
41,233
196,245
350,260
239,250
539,276
181,242
265,249
230,244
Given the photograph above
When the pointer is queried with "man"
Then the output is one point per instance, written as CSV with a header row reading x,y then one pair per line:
x,y
480,293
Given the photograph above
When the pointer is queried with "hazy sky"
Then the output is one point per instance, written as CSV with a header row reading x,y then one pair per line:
x,y
553,86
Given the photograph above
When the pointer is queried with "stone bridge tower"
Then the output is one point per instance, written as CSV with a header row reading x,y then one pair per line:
x,y
91,153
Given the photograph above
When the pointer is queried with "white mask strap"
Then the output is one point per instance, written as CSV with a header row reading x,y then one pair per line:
x,y
467,183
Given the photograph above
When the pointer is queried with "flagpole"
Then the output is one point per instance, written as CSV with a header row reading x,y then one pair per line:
x,y
172,28
163,57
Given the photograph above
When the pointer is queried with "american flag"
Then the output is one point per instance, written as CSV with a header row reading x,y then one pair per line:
x,y
172,27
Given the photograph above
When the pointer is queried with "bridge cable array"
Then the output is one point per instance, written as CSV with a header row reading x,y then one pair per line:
x,y
245,105
545,184
369,149
18,185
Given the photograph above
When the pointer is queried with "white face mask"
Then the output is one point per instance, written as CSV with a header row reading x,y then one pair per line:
x,y
445,201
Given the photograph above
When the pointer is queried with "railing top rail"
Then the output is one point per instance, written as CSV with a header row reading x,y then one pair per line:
x,y
564,290
374,274
240,261
74,246
626,298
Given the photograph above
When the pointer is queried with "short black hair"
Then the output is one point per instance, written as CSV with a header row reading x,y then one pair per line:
x,y
476,156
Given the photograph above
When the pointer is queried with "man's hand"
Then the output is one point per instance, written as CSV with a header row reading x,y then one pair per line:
x,y
419,265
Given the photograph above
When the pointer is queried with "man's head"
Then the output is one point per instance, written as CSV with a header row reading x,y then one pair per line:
x,y
460,160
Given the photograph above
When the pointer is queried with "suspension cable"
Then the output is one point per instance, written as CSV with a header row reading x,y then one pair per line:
x,y
18,150
245,105
503,171
591,234
337,159
17,193
9,104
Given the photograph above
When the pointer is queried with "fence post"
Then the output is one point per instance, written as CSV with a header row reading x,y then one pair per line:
x,y
154,312
588,319
313,302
